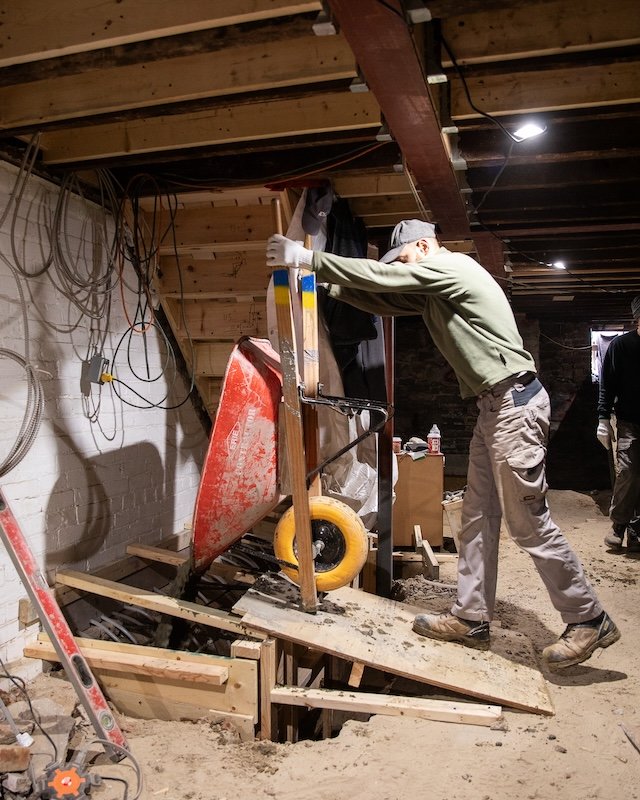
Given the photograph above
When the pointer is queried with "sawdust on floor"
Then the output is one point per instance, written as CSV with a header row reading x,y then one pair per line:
x,y
581,753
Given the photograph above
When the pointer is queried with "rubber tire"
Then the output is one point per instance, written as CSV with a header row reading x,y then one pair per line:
x,y
351,528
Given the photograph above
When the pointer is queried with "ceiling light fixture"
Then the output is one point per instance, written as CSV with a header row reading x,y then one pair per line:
x,y
558,265
528,131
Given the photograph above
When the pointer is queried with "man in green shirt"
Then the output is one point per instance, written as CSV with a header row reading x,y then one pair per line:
x,y
472,324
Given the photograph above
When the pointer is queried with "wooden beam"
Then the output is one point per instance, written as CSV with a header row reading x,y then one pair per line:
x,y
409,112
148,664
547,90
244,68
40,29
237,272
390,705
162,556
218,319
157,602
366,185
530,31
322,113
268,670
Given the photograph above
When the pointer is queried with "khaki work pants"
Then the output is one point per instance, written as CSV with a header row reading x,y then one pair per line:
x,y
507,478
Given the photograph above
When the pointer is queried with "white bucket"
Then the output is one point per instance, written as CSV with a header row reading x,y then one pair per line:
x,y
453,510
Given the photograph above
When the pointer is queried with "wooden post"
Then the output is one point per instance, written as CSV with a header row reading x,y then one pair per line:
x,y
384,554
267,683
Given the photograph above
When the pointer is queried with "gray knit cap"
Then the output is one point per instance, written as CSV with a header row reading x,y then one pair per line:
x,y
635,307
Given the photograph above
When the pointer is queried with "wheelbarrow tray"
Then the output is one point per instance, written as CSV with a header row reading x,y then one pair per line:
x,y
239,483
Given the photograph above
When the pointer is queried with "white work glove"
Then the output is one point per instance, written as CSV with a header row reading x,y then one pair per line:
x,y
283,252
604,433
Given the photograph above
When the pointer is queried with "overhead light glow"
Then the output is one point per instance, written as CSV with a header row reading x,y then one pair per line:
x,y
528,131
559,265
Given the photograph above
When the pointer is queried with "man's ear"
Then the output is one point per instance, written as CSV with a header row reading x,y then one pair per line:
x,y
423,245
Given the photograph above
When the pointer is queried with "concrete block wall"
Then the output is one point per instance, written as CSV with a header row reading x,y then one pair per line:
x,y
102,473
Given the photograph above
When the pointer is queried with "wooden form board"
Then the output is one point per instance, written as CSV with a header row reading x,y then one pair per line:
x,y
389,705
183,609
186,694
358,626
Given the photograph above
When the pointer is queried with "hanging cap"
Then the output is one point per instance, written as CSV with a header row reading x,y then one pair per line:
x,y
409,230
316,208
635,307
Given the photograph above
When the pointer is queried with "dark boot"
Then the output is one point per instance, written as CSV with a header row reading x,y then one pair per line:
x,y
633,537
615,536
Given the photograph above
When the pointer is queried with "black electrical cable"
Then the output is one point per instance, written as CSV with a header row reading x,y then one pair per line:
x,y
21,686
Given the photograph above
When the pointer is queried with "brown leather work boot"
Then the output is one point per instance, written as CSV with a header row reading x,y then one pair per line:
x,y
579,642
447,627
615,537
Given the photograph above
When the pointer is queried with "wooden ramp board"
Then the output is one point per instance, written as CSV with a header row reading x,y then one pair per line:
x,y
358,626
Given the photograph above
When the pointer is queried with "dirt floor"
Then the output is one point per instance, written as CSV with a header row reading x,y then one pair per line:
x,y
580,753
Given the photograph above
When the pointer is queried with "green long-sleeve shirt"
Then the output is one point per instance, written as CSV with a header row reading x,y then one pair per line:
x,y
464,309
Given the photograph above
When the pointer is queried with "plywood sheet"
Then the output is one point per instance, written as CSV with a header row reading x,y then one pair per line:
x,y
358,626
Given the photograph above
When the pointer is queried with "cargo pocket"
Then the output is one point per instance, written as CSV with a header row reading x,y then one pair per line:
x,y
527,469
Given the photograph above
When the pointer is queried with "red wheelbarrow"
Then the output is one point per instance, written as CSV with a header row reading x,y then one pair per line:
x,y
240,481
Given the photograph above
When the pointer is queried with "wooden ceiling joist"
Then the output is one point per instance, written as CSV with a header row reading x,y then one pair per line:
x,y
242,69
41,29
541,90
532,30
245,122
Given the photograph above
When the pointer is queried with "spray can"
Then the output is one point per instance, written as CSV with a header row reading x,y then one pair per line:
x,y
433,440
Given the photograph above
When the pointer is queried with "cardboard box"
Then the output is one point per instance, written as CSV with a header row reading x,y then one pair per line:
x,y
419,492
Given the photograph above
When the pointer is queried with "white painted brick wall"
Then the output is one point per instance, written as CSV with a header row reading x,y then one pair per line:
x,y
81,494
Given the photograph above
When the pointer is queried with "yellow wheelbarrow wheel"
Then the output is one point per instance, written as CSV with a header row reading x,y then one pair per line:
x,y
339,542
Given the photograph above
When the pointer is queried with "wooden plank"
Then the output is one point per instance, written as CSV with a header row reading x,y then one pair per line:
x,y
124,567
172,697
147,664
27,615
268,670
245,67
355,674
154,601
405,205
244,648
367,185
237,695
320,113
219,319
357,626
429,560
138,704
390,705
227,571
615,83
203,227
240,272
527,31
40,29
159,554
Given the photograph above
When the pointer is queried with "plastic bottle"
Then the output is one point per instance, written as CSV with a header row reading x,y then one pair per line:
x,y
433,440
